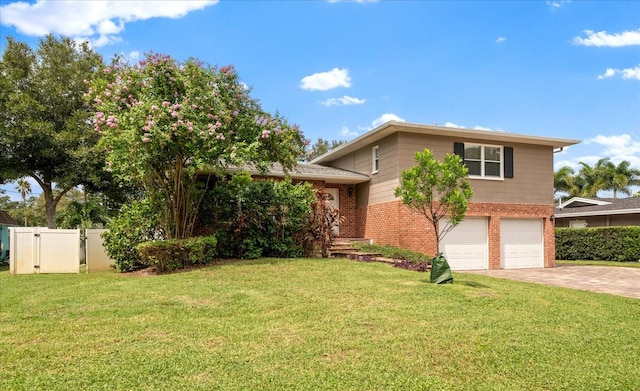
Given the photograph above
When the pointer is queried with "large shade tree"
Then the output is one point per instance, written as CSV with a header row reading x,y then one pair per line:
x,y
45,129
163,123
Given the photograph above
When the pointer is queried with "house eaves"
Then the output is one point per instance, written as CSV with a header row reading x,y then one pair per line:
x,y
579,201
597,213
311,172
392,127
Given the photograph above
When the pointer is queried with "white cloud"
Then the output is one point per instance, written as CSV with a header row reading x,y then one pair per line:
x,y
323,81
384,118
628,73
617,145
557,3
477,127
100,22
345,132
501,39
602,38
345,100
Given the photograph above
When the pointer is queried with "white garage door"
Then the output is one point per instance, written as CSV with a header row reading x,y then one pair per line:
x,y
466,246
521,244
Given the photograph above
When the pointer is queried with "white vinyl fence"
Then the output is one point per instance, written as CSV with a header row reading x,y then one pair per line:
x,y
43,250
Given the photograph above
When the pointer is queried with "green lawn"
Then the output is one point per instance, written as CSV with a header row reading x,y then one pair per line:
x,y
311,324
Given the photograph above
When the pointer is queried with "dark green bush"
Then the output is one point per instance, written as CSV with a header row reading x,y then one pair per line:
x,y
174,254
257,218
620,244
136,223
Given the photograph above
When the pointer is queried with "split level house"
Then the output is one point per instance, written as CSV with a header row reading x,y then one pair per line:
x,y
509,222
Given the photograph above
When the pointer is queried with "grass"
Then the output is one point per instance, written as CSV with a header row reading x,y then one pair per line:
x,y
600,263
310,324
388,251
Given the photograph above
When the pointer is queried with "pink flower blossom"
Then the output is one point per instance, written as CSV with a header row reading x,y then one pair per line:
x,y
265,134
165,104
154,108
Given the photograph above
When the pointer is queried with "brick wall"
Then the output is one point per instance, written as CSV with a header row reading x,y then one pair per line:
x,y
394,224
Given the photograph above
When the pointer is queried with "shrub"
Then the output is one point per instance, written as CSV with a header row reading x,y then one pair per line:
x,y
136,223
620,244
174,254
257,218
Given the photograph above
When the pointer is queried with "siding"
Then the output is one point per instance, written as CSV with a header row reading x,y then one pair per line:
x,y
381,187
533,169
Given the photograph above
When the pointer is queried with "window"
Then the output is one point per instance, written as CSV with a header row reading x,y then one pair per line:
x,y
483,160
375,155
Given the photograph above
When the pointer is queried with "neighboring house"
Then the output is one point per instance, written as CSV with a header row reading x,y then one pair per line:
x,y
6,221
580,212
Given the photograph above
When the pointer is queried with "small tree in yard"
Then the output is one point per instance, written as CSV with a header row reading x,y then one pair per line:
x,y
436,189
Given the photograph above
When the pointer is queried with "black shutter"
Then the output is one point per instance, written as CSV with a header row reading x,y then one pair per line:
x,y
458,149
508,162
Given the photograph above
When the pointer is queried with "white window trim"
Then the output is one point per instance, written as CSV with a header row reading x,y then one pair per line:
x,y
375,162
482,161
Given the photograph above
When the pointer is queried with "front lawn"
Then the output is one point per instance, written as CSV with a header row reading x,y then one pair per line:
x,y
310,324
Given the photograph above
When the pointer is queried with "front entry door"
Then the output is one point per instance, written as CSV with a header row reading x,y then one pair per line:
x,y
334,201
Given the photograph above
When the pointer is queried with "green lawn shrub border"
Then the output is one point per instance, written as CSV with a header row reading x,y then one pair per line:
x,y
174,254
617,244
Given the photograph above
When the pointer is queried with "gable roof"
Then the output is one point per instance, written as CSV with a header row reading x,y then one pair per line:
x,y
598,207
392,127
5,219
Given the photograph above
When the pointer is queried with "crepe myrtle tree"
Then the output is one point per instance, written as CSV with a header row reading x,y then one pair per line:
x,y
163,122
436,189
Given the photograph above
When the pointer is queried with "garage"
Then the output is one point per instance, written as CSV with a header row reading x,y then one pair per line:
x,y
466,246
521,243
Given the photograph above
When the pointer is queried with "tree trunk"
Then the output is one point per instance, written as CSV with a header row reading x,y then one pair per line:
x,y
50,205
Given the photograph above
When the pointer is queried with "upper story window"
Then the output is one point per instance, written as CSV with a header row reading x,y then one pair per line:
x,y
375,159
483,160
486,161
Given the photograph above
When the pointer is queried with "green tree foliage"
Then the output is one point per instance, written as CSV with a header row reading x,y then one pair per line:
x,y
162,122
321,147
45,132
603,176
258,218
436,189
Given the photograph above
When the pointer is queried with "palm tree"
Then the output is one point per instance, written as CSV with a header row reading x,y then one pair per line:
x,y
565,181
619,178
591,178
24,188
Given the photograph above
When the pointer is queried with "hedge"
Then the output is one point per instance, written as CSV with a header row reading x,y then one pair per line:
x,y
169,255
619,244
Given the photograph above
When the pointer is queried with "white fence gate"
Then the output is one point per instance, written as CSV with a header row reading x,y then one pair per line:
x,y
43,250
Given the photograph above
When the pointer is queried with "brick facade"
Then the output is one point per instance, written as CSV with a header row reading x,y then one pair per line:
x,y
394,224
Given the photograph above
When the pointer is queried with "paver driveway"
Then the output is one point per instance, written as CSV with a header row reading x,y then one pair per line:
x,y
621,281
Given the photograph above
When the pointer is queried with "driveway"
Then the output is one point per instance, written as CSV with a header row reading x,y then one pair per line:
x,y
615,280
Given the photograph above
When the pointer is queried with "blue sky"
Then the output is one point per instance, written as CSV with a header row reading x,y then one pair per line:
x,y
568,69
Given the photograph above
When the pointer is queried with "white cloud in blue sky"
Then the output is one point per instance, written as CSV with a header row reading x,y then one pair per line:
x,y
344,101
602,38
346,133
99,22
384,118
323,81
627,73
501,39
